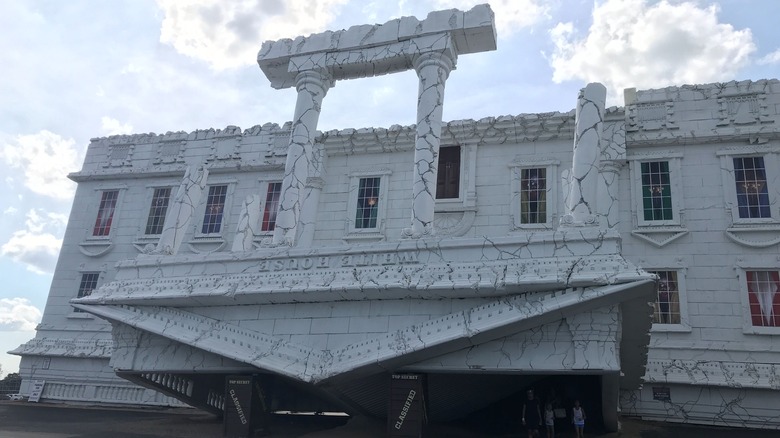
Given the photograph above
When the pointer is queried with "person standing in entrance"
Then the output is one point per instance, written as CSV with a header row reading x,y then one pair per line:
x,y
532,415
549,420
578,418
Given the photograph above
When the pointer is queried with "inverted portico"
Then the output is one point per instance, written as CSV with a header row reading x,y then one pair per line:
x,y
313,64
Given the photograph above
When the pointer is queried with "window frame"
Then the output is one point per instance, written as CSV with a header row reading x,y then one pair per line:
x,y
79,291
226,209
461,152
377,232
674,160
682,295
150,202
771,171
264,186
751,265
552,189
109,223
101,243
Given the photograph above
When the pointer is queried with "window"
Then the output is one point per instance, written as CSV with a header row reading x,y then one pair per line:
x,y
763,289
215,206
533,196
667,303
656,191
271,206
751,186
88,284
367,203
749,175
157,211
105,213
448,173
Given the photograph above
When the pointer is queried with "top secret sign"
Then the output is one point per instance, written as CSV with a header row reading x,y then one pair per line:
x,y
341,261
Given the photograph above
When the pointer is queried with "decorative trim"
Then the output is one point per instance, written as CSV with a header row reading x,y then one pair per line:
x,y
456,227
651,116
98,248
733,233
714,373
206,245
646,233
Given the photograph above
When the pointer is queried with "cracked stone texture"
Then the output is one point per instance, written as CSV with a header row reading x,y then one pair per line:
x,y
482,297
582,181
368,50
312,87
180,212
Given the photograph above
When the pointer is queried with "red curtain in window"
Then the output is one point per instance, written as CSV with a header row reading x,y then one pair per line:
x,y
764,297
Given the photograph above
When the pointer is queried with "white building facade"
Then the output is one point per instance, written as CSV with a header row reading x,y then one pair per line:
x,y
489,256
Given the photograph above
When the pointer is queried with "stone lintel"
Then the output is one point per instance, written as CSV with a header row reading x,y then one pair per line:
x,y
357,49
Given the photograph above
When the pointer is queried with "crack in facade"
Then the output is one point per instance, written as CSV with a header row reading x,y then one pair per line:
x,y
532,274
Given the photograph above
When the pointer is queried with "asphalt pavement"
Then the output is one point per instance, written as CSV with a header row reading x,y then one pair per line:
x,y
20,419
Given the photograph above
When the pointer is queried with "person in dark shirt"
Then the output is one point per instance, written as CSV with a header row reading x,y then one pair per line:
x,y
532,415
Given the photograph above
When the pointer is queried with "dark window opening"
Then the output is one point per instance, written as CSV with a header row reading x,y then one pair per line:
x,y
448,176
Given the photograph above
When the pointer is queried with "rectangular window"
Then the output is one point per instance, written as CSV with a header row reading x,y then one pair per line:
x,y
157,211
88,283
367,203
752,191
271,206
764,298
105,213
215,206
448,174
656,191
667,303
533,196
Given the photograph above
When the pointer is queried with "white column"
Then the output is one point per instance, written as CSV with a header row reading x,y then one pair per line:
x,y
312,87
247,221
584,176
180,212
432,68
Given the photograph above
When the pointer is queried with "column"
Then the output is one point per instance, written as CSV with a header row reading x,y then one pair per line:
x,y
432,68
312,87
608,202
583,179
180,212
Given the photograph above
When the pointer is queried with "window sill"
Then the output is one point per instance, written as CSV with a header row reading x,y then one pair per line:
x,y
670,328
759,330
371,235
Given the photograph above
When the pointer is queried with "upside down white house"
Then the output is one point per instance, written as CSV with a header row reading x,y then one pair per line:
x,y
487,255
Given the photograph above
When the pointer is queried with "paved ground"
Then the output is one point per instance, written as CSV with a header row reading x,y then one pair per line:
x,y
30,420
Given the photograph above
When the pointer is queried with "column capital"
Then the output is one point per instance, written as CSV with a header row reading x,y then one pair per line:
x,y
443,59
318,78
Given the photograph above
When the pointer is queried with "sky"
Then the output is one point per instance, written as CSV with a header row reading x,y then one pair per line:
x,y
81,69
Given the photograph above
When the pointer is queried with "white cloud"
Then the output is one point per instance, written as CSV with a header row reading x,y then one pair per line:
x,y
38,245
114,126
511,15
46,159
770,58
18,314
635,43
11,210
229,34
